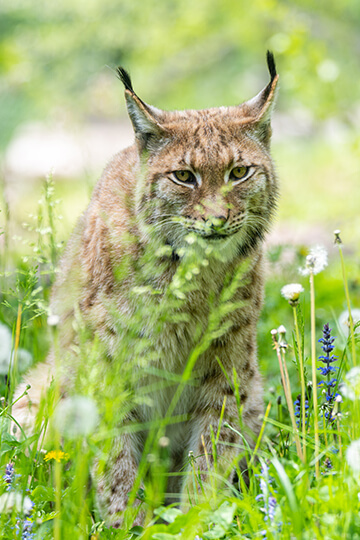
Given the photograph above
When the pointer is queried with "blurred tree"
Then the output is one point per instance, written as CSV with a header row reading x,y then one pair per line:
x,y
57,58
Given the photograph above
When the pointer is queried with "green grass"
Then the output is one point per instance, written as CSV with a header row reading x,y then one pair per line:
x,y
305,507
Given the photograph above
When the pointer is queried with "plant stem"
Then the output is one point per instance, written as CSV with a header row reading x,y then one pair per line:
x,y
347,296
57,519
339,436
259,439
313,371
287,392
302,382
291,407
13,368
324,430
57,465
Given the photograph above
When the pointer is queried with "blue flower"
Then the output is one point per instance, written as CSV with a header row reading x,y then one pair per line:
x,y
269,501
297,404
27,528
28,506
327,371
9,475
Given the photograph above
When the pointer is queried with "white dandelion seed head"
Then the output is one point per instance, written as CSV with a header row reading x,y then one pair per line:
x,y
292,291
337,240
344,322
350,387
76,416
53,320
281,329
315,262
5,348
353,456
24,358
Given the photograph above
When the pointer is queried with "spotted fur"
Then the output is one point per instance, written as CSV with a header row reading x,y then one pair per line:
x,y
141,196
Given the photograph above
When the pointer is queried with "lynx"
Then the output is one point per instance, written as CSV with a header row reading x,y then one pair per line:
x,y
202,177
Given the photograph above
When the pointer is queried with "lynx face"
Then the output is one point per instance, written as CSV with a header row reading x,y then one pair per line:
x,y
208,172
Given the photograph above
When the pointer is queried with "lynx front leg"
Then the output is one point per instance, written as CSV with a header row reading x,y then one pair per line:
x,y
115,483
216,466
212,461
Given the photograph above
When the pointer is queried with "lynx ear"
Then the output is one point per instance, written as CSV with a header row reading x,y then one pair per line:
x,y
257,110
145,119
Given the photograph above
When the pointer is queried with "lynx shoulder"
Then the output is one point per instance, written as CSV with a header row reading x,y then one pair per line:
x,y
193,196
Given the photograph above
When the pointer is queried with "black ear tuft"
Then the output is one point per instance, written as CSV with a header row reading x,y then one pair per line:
x,y
271,65
125,79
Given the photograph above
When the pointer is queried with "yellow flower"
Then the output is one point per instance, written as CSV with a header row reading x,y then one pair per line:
x,y
58,455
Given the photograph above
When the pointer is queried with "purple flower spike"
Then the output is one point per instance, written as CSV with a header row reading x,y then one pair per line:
x,y
328,371
9,475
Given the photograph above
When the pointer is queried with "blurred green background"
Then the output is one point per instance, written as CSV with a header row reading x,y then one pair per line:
x,y
58,87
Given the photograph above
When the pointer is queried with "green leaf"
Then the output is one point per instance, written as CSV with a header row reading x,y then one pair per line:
x,y
136,531
290,495
165,536
42,494
168,514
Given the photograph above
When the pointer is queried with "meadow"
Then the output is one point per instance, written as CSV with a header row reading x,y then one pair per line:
x,y
304,480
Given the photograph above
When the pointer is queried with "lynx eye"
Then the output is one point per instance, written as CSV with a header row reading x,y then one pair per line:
x,y
239,173
185,177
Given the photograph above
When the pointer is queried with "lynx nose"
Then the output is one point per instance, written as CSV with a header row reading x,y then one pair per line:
x,y
216,222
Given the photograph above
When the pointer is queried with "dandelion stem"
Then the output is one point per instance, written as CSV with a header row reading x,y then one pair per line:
x,y
291,407
289,402
57,520
313,371
347,296
302,381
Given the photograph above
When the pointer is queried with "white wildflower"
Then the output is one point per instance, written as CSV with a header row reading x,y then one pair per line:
x,y
315,262
76,416
353,456
292,292
15,500
281,329
344,321
164,442
350,388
